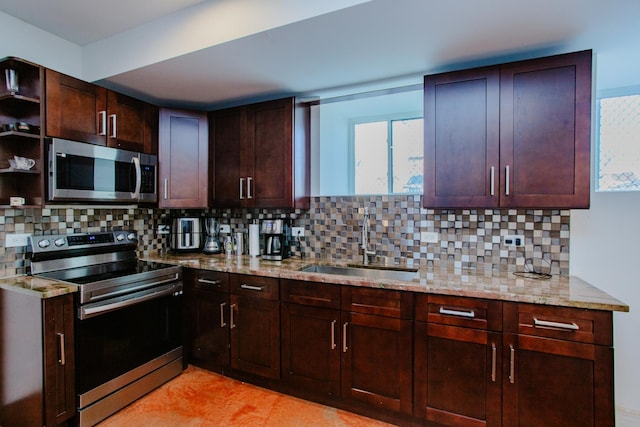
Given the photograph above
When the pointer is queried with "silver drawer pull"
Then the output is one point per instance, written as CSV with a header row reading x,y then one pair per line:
x,y
333,334
209,282
251,287
62,360
548,324
470,314
222,322
493,362
512,364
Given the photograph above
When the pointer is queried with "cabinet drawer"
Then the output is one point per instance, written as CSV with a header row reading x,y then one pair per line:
x,y
254,286
211,281
310,293
381,302
571,324
459,311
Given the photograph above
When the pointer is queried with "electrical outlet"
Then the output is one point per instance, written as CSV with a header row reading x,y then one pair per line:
x,y
163,229
429,237
225,228
17,239
297,231
513,240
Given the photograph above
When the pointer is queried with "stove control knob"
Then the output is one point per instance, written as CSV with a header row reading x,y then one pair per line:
x,y
44,243
120,237
131,236
59,242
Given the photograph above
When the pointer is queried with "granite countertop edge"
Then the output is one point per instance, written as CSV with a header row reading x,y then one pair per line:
x,y
563,291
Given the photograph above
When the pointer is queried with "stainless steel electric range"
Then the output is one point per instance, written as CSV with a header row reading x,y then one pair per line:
x,y
128,327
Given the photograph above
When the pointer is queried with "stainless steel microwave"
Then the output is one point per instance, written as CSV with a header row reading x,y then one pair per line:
x,y
79,172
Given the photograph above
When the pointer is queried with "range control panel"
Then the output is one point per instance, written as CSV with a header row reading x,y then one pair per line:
x,y
61,242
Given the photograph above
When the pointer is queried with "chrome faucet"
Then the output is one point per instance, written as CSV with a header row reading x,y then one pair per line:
x,y
366,253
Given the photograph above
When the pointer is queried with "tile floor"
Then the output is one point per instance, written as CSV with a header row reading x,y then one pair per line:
x,y
199,398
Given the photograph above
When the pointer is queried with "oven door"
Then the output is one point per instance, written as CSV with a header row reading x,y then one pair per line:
x,y
117,347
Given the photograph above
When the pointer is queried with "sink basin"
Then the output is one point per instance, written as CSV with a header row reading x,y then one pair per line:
x,y
405,275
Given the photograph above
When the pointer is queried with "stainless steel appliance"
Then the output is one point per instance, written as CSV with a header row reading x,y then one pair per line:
x,y
85,172
277,239
128,327
186,234
212,243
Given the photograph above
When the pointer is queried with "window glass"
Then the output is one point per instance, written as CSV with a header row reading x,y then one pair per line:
x,y
368,143
619,143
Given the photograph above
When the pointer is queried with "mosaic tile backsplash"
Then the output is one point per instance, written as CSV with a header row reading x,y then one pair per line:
x,y
467,238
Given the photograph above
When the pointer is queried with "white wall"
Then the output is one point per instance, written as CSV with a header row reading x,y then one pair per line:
x,y
604,249
25,41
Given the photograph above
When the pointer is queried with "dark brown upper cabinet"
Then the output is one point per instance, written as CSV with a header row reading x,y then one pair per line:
x,y
515,135
260,155
85,112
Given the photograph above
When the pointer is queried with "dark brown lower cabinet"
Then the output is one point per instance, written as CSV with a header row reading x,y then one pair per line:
x,y
458,375
255,325
558,367
310,348
376,361
207,295
37,353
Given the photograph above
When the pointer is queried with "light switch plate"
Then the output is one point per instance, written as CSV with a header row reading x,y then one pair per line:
x,y
225,228
17,239
163,229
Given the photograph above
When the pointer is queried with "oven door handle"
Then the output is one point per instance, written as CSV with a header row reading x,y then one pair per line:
x,y
91,310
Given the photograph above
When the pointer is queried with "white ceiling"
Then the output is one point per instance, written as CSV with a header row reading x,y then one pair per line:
x,y
206,54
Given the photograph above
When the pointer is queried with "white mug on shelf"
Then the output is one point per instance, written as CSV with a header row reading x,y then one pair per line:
x,y
22,163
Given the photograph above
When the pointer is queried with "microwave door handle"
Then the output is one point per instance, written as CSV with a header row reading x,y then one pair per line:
x,y
136,164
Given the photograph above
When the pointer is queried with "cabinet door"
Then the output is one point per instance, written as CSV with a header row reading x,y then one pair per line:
x,y
461,139
376,361
75,109
210,330
229,131
549,382
255,336
455,390
270,163
183,159
132,124
545,124
59,377
310,348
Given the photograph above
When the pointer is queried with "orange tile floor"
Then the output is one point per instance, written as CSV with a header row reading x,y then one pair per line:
x,y
201,398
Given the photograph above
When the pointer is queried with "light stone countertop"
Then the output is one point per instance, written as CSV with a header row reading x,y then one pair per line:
x,y
559,291
37,286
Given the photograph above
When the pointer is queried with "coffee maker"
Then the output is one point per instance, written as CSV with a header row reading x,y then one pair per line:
x,y
212,243
186,234
276,235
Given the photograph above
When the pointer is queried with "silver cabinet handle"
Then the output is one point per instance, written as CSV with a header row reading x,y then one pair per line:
x,y
344,337
232,308
493,362
222,322
114,126
102,118
210,282
461,313
548,324
512,361
251,287
493,180
333,335
166,188
249,179
63,359
506,181
241,188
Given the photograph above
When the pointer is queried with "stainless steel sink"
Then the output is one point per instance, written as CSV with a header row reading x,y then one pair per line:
x,y
405,275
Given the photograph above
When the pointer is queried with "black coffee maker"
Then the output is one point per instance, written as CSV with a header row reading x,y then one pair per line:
x,y
276,237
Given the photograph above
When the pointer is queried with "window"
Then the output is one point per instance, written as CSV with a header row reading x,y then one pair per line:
x,y
388,156
619,142
368,143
